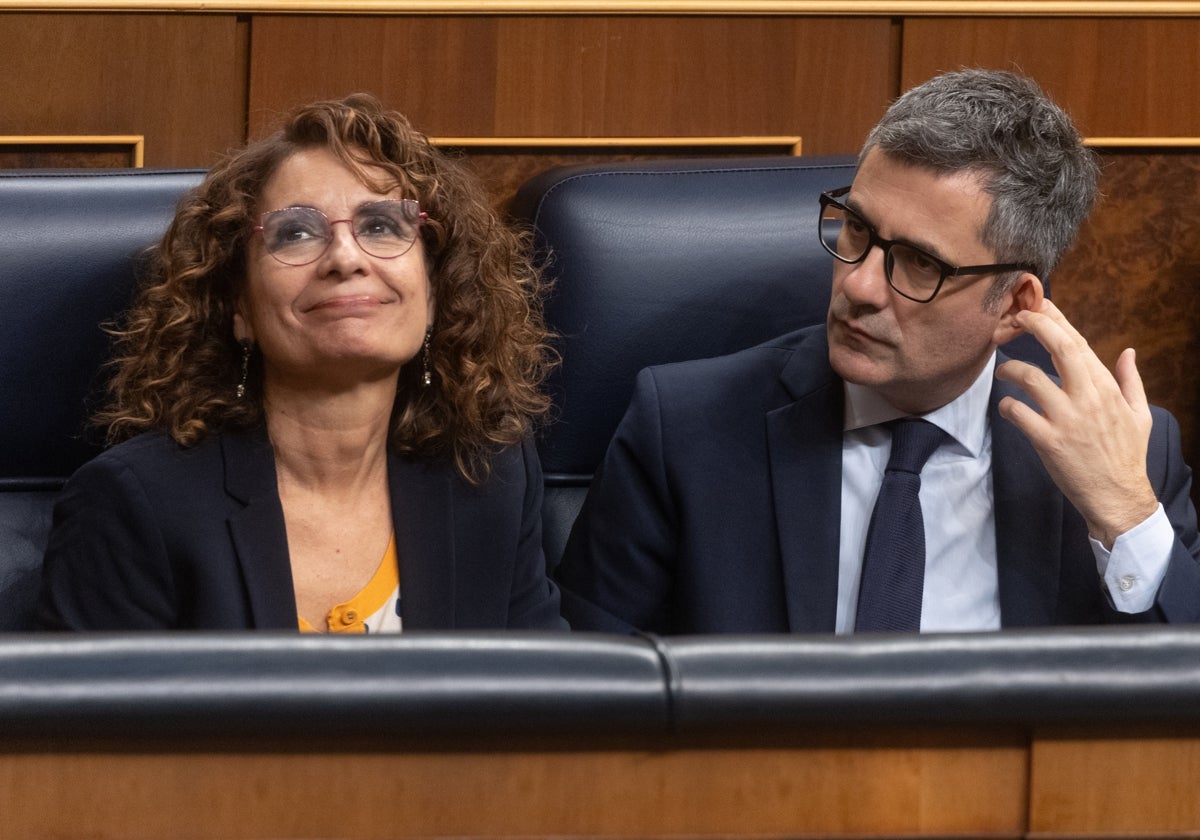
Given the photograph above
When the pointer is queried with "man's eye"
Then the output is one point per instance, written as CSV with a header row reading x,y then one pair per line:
x,y
917,263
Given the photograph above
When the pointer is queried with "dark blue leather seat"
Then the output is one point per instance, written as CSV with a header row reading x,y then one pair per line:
x,y
664,261
653,262
69,245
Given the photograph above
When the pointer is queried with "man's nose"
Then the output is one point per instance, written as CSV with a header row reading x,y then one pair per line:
x,y
866,282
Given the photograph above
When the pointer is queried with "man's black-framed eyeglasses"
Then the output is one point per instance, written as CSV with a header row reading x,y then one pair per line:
x,y
913,273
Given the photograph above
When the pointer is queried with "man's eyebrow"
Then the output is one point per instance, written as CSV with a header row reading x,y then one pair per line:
x,y
924,247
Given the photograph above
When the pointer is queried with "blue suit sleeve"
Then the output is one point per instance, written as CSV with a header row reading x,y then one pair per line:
x,y
1179,595
617,570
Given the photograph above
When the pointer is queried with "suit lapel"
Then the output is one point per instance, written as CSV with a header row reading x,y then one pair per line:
x,y
258,531
1029,516
804,440
423,518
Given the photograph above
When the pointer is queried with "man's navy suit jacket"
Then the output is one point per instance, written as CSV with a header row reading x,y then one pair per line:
x,y
717,508
150,535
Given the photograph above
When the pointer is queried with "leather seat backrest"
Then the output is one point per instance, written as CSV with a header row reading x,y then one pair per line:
x,y
69,247
663,261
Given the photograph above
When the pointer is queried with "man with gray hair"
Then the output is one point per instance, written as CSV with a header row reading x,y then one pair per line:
x,y
889,470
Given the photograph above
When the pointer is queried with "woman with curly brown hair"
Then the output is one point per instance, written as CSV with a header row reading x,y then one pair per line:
x,y
321,404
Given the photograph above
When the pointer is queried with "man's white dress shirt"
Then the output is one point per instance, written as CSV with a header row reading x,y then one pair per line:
x,y
961,582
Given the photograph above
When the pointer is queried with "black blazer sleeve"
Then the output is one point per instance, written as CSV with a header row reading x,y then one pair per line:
x,y
534,602
106,565
151,536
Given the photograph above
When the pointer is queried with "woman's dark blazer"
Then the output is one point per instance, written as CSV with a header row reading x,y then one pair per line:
x,y
151,535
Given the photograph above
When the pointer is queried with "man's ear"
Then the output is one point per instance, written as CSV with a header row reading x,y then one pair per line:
x,y
1026,294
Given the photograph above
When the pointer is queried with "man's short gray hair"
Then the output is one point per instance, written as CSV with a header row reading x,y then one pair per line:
x,y
1032,160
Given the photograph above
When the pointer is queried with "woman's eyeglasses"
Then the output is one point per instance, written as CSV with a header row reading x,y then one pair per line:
x,y
300,235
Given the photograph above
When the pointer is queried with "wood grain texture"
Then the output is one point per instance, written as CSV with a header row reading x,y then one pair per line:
x,y
1132,279
1117,77
503,174
588,75
1061,781
1139,783
860,784
84,156
177,80
193,85
1057,8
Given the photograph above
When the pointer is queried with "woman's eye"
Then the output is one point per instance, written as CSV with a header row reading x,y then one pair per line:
x,y
384,226
294,233
294,228
377,225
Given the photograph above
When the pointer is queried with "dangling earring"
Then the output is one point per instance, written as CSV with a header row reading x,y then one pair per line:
x,y
427,375
246,348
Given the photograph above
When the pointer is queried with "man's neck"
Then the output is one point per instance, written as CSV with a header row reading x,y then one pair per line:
x,y
964,417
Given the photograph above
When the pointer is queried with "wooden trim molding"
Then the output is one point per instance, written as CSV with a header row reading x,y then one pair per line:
x,y
877,8
135,143
785,145
1142,142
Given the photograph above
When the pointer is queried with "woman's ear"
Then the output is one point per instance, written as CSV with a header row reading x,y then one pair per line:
x,y
241,328
1026,294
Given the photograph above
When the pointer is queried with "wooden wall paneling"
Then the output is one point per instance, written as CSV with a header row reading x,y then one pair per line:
x,y
178,80
439,71
947,782
30,151
589,75
1118,77
1132,279
699,76
1138,782
504,168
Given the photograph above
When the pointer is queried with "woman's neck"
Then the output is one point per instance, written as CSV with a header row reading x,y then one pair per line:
x,y
324,439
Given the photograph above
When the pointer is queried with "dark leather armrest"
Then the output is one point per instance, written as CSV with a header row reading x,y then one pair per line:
x,y
376,687
1130,674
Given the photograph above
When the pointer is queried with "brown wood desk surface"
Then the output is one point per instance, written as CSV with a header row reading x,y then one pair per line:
x,y
838,782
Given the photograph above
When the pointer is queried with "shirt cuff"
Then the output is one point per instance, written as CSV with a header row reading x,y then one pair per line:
x,y
1133,571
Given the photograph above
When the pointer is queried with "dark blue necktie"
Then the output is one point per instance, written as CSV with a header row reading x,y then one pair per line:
x,y
893,573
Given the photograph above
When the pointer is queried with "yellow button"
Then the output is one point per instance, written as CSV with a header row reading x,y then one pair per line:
x,y
349,617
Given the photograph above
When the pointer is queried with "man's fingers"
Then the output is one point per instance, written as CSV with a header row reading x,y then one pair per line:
x,y
1035,382
1130,381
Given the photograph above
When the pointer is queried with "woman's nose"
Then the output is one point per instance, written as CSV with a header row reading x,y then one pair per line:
x,y
343,251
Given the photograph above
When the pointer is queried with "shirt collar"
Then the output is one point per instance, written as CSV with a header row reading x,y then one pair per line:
x,y
963,418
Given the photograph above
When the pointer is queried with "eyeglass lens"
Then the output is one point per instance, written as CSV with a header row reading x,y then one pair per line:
x,y
848,237
300,235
